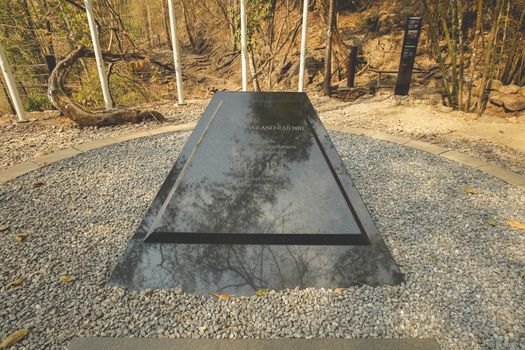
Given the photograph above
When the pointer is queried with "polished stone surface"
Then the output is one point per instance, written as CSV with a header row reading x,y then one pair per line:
x,y
241,212
260,173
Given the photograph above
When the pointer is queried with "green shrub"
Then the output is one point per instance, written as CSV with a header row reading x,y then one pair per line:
x,y
37,102
126,89
369,24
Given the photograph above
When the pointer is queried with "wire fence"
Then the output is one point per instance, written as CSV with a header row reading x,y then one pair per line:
x,y
138,77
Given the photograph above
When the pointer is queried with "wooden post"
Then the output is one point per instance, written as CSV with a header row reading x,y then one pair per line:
x,y
328,55
244,49
11,86
303,46
350,67
98,56
176,57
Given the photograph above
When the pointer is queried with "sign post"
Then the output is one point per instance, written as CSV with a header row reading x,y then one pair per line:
x,y
408,55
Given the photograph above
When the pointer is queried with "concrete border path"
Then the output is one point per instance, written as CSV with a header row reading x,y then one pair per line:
x,y
252,344
507,176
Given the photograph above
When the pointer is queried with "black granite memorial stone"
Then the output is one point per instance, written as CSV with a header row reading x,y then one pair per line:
x,y
258,198
260,174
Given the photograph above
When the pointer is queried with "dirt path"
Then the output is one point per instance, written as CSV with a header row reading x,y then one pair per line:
x,y
490,138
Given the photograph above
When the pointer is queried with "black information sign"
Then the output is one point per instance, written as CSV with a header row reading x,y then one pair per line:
x,y
408,55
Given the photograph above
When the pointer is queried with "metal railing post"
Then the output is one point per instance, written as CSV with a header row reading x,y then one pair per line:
x,y
303,46
244,50
98,56
176,56
11,86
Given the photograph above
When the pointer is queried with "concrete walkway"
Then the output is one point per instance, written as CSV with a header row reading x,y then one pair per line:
x,y
251,344
507,176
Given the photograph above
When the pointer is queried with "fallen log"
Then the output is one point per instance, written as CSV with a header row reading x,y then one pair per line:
x,y
77,113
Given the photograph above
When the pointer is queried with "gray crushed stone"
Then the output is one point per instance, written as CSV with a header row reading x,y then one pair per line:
x,y
464,277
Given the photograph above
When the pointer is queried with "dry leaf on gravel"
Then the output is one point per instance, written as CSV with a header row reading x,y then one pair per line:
x,y
471,190
491,222
262,292
66,278
4,227
20,237
14,338
16,282
37,184
103,229
516,224
339,290
222,296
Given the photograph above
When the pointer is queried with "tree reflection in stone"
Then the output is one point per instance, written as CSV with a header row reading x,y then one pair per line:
x,y
221,201
236,200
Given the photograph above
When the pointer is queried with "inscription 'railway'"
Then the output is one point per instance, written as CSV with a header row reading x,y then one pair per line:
x,y
276,127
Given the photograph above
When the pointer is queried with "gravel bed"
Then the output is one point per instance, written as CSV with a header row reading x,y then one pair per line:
x,y
49,133
464,276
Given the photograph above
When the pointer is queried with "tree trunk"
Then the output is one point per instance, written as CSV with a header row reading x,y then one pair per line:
x,y
7,97
350,68
58,97
251,63
474,53
327,87
227,13
433,29
452,49
165,22
39,51
150,29
488,59
511,57
503,44
49,28
187,25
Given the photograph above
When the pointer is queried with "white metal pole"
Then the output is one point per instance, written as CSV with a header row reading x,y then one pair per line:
x,y
98,55
303,46
11,86
244,50
176,57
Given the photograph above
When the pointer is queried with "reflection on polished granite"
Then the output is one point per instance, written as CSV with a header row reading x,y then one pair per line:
x,y
259,174
243,269
258,198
